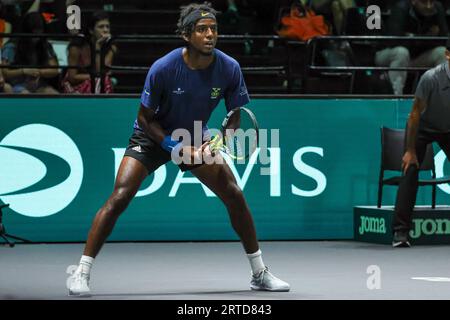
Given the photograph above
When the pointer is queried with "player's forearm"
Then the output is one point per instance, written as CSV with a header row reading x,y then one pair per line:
x,y
152,128
155,131
418,108
413,127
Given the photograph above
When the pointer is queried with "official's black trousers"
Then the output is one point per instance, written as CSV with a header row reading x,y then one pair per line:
x,y
407,190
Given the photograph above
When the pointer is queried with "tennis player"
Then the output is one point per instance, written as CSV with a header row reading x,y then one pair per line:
x,y
182,87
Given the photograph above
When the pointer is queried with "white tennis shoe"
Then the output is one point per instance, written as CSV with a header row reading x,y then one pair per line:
x,y
79,284
265,281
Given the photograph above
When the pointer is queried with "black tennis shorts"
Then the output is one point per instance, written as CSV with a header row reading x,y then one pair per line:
x,y
150,154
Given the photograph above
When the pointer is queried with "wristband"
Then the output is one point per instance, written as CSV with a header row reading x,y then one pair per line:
x,y
168,144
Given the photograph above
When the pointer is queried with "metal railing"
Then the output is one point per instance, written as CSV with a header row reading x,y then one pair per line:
x,y
310,65
382,41
175,38
103,69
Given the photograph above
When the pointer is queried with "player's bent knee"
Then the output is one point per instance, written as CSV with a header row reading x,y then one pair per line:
x,y
120,199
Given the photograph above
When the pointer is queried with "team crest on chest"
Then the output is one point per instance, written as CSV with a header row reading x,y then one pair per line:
x,y
215,93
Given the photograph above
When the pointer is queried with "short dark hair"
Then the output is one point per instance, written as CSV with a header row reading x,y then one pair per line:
x,y
186,10
88,24
96,17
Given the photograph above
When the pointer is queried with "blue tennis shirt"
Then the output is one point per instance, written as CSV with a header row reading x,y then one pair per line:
x,y
179,95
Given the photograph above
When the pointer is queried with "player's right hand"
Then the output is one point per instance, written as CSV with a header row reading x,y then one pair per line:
x,y
409,158
195,155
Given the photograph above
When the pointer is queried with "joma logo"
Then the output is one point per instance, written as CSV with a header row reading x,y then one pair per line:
x,y
372,225
430,227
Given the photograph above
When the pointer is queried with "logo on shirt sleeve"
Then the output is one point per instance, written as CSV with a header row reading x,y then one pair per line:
x,y
147,91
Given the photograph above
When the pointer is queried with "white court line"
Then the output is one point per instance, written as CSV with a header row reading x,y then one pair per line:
x,y
432,279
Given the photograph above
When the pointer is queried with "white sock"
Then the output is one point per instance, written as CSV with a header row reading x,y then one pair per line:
x,y
85,264
256,262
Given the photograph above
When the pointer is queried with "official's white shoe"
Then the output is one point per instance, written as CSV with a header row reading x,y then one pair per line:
x,y
265,281
79,284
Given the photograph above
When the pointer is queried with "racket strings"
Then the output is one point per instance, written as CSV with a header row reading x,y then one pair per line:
x,y
242,141
240,136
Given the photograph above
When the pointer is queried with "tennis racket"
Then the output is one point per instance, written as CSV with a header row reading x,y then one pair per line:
x,y
239,136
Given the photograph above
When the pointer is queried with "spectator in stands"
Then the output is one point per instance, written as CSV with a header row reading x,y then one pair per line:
x,y
5,27
334,8
33,52
79,80
4,87
249,16
446,4
232,12
413,18
54,12
16,9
